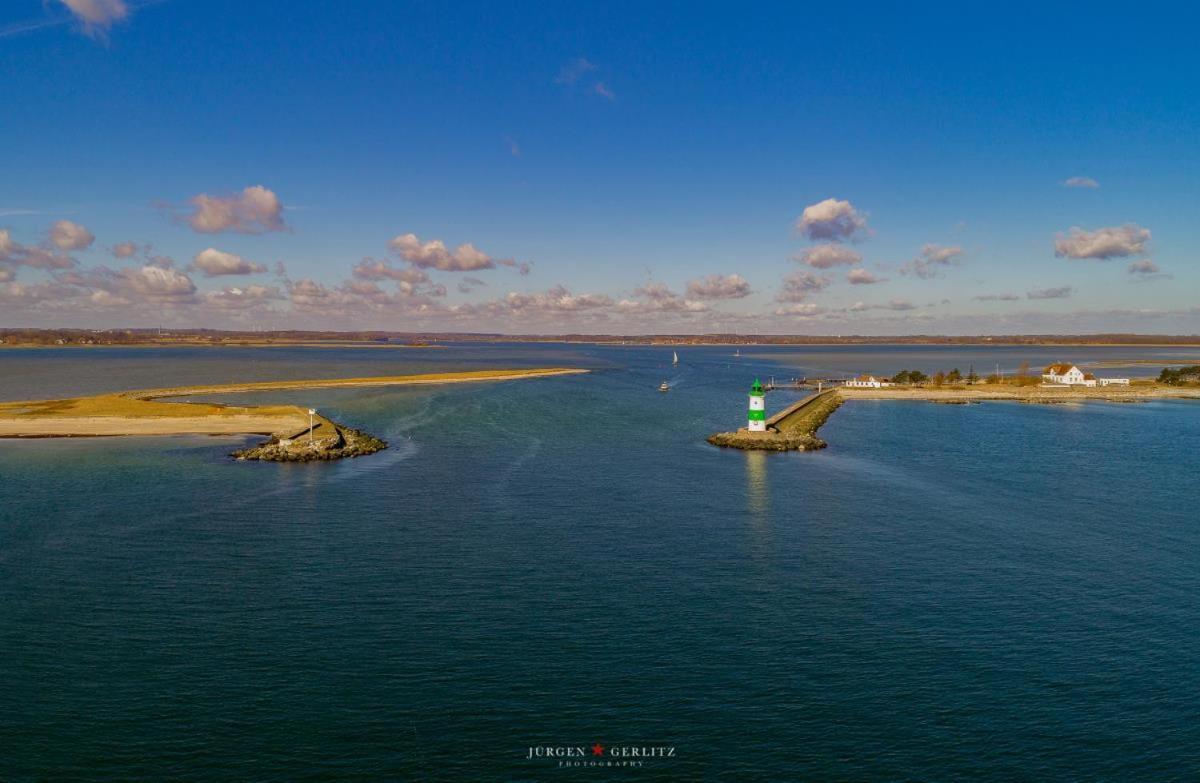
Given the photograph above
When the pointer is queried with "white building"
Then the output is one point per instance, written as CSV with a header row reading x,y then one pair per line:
x,y
868,382
1070,375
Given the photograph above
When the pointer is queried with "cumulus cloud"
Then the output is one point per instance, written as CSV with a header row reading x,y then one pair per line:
x,y
900,304
557,299
242,298
862,277
6,274
1146,270
8,246
657,297
1103,243
1061,292
374,269
125,250
828,256
66,235
255,210
213,263
97,16
160,285
831,220
14,253
601,89
801,309
435,255
719,287
798,285
1080,182
932,260
996,298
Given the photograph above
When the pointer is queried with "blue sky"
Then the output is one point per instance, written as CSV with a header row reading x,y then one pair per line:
x,y
629,160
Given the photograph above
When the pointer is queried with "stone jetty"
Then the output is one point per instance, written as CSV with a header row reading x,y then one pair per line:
x,y
792,429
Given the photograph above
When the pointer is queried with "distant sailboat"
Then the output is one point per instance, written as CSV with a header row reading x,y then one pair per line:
x,y
737,352
674,358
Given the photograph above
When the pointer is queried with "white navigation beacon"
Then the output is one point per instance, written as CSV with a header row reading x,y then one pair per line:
x,y
757,417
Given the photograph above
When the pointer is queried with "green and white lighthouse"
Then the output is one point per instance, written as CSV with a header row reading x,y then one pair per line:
x,y
758,413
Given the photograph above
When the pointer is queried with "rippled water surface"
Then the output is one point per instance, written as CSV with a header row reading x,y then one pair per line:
x,y
982,592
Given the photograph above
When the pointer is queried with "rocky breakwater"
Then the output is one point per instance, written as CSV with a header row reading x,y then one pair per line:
x,y
334,443
793,429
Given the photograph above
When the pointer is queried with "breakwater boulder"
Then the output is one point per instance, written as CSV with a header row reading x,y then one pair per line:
x,y
344,443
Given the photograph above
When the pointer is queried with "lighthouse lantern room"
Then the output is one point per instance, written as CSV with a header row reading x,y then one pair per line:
x,y
757,415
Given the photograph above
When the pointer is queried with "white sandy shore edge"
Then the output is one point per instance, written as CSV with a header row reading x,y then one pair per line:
x,y
96,426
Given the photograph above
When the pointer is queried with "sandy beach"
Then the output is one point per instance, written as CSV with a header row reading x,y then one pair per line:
x,y
141,412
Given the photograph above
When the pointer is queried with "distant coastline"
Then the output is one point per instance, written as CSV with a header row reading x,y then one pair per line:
x,y
22,338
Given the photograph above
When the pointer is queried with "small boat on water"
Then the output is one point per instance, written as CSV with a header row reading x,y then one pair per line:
x,y
737,352
664,387
674,358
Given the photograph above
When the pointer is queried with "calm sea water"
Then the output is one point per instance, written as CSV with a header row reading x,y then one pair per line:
x,y
983,592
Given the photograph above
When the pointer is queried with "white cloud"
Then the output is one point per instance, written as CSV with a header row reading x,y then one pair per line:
x,y
14,253
556,299
996,298
213,262
802,310
1080,182
97,16
798,285
6,274
160,285
374,269
658,298
932,260
831,220
719,287
242,298
1061,292
66,235
862,277
601,89
828,256
900,304
435,255
1103,243
253,211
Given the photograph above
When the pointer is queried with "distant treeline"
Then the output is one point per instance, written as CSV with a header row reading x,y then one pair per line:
x,y
216,336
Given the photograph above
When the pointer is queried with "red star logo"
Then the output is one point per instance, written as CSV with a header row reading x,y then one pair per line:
x,y
597,749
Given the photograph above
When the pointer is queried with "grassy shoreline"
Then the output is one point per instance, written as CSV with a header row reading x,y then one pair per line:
x,y
1024,393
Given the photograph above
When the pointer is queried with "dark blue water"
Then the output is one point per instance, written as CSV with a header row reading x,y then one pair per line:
x,y
983,592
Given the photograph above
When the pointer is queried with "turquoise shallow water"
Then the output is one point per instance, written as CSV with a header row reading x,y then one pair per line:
x,y
984,592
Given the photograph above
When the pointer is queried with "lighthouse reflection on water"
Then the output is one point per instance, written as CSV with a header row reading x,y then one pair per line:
x,y
757,499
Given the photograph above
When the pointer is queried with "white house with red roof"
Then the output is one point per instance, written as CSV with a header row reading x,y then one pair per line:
x,y
868,382
1070,375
